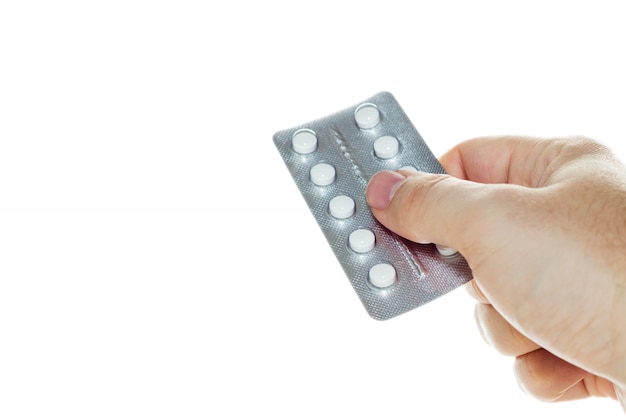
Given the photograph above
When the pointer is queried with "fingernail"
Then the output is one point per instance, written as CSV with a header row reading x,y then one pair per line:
x,y
382,187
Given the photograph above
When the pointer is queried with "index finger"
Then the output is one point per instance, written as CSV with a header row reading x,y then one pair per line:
x,y
516,160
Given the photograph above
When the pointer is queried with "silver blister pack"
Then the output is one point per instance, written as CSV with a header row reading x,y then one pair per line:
x,y
331,161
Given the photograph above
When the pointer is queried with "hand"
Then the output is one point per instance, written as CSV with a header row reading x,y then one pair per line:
x,y
542,224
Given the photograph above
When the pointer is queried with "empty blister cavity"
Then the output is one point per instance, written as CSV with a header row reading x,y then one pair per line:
x,y
341,207
382,275
386,147
323,174
304,141
367,116
362,240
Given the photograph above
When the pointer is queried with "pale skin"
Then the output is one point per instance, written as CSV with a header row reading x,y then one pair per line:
x,y
542,224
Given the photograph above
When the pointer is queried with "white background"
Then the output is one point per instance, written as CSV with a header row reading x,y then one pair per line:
x,y
157,259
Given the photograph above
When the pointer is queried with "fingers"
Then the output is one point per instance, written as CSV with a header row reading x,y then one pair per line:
x,y
549,378
522,160
621,396
475,292
501,160
499,334
539,372
544,376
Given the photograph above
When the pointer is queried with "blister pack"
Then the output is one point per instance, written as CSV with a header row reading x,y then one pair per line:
x,y
331,161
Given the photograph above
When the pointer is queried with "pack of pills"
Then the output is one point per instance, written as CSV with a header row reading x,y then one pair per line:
x,y
331,161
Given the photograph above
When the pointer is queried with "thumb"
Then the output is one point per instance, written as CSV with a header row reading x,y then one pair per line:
x,y
438,208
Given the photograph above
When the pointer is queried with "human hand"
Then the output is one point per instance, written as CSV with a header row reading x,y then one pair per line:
x,y
542,224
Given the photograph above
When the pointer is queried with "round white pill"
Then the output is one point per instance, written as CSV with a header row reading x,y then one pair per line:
x,y
409,168
445,251
382,275
362,240
386,147
304,141
367,116
322,174
341,207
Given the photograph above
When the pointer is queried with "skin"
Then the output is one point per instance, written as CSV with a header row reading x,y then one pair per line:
x,y
542,224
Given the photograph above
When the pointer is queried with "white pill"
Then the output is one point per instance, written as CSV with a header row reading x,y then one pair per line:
x,y
341,207
386,147
322,174
445,251
367,116
304,141
382,275
362,240
409,168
